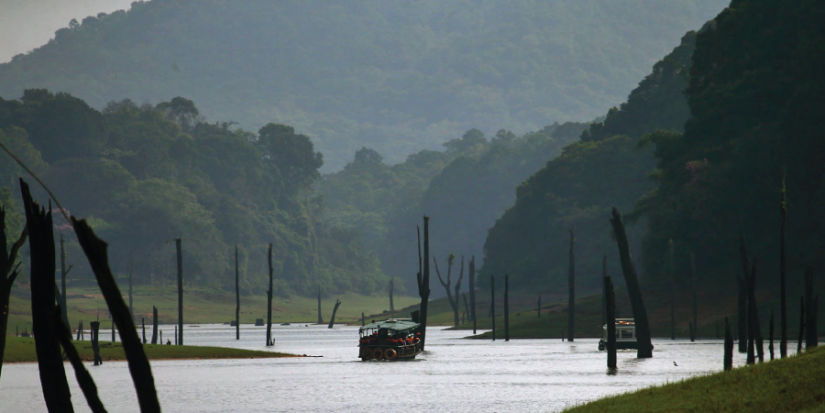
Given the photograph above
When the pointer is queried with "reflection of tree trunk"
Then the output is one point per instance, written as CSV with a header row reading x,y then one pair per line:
x,y
237,298
610,314
269,341
334,310
571,285
43,289
728,361
472,274
179,331
506,307
645,348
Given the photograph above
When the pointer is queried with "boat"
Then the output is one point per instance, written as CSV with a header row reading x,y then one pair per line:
x,y
393,339
625,334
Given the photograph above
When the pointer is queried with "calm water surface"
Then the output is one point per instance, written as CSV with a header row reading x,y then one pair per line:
x,y
453,375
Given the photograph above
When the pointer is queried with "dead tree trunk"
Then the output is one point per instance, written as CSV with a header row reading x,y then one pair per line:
x,y
139,367
269,341
742,298
155,325
810,306
143,326
84,379
783,313
694,299
392,305
571,288
801,325
95,338
466,315
672,269
452,297
610,315
42,271
179,333
64,309
9,269
113,329
728,361
237,297
493,306
506,307
645,349
424,279
362,319
320,318
131,310
334,310
770,336
473,292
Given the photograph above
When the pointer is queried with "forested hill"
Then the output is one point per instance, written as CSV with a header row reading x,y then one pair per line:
x,y
607,167
463,188
393,76
145,175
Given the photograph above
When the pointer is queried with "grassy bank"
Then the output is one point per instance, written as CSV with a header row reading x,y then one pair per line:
x,y
792,384
202,306
21,349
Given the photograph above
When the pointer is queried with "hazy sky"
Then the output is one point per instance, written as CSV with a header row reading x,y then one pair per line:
x,y
28,24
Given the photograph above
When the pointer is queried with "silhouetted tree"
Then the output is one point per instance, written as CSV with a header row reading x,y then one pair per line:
x,y
801,325
64,309
770,336
742,298
42,282
424,278
155,326
452,296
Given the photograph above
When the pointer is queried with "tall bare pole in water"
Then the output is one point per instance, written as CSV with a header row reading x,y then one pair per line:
x,y
269,299
237,298
180,292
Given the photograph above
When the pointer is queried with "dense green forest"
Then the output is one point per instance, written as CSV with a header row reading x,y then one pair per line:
x,y
606,167
463,188
757,96
397,77
145,175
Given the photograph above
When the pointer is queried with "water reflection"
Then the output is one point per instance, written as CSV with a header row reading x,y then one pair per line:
x,y
452,375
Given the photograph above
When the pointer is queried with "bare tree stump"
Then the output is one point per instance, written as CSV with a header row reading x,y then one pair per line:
x,y
334,310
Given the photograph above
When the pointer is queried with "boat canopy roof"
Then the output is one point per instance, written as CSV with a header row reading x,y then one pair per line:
x,y
393,325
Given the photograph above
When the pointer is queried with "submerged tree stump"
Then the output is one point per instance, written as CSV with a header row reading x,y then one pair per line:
x,y
155,326
334,310
269,340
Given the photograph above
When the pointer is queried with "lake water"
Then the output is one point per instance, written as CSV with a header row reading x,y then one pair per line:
x,y
454,374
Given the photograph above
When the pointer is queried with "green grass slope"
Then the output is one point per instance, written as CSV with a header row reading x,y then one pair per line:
x,y
792,384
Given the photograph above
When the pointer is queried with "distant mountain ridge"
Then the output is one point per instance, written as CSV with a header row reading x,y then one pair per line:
x,y
393,76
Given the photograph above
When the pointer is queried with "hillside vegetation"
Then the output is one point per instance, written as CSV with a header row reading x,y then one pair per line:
x,y
145,175
393,76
